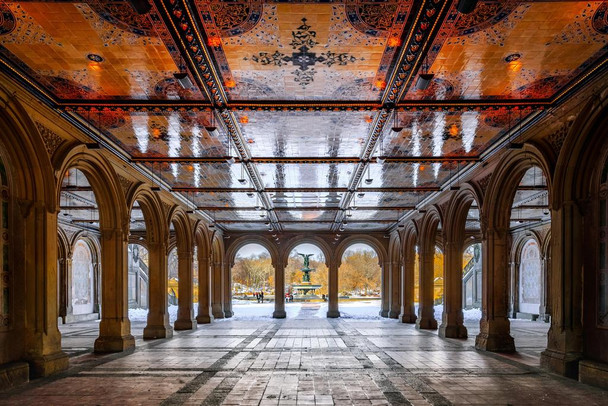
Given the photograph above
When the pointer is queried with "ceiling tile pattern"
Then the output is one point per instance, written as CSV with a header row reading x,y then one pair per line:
x,y
94,50
285,51
287,76
516,49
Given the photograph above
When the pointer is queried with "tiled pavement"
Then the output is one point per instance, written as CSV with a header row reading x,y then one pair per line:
x,y
305,361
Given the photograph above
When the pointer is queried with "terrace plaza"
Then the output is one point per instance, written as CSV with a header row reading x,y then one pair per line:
x,y
147,145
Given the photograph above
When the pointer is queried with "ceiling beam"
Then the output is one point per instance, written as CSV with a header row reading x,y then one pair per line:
x,y
262,221
308,208
306,160
160,106
307,190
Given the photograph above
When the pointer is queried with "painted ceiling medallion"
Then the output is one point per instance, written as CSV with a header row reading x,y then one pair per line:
x,y
7,20
303,41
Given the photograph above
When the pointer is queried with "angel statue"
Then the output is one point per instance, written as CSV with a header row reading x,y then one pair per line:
x,y
306,259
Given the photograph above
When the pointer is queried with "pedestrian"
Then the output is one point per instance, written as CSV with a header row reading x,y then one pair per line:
x,y
262,296
257,296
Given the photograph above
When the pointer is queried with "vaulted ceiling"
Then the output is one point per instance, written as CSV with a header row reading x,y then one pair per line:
x,y
306,96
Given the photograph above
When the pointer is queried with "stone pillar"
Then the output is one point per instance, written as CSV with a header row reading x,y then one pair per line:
x,y
565,337
279,291
185,312
395,282
408,313
426,314
228,291
513,293
494,329
65,294
385,294
42,338
332,310
205,314
114,328
158,315
452,324
217,303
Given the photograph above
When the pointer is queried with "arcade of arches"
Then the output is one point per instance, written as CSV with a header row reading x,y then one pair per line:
x,y
125,186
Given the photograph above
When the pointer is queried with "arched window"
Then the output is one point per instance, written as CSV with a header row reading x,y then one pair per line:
x,y
602,310
4,251
82,279
529,278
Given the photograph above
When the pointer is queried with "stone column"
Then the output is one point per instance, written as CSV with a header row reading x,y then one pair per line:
x,y
185,312
565,337
217,303
158,315
395,282
42,338
408,313
279,291
332,310
452,320
114,328
426,314
65,299
385,294
494,334
228,291
205,314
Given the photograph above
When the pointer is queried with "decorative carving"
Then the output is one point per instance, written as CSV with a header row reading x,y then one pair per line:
x,y
51,140
167,207
557,138
125,184
484,182
600,19
7,20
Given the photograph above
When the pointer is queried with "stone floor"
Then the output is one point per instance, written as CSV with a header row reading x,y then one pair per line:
x,y
305,361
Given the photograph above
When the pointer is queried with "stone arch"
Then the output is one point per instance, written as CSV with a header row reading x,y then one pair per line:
x,y
29,190
458,209
409,238
429,225
505,179
218,275
113,221
575,245
151,206
361,239
201,239
94,249
515,259
496,214
240,242
184,242
320,243
103,179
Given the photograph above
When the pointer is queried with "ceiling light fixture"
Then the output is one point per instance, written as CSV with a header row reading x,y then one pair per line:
x,y
424,79
369,179
249,194
141,7
242,179
397,127
466,6
183,79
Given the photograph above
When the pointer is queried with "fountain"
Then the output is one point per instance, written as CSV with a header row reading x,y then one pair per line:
x,y
305,290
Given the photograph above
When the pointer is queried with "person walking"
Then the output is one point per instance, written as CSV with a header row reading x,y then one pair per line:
x,y
262,296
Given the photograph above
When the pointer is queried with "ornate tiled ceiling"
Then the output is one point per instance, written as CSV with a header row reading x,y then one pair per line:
x,y
305,95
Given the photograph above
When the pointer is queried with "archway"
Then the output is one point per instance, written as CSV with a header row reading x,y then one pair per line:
x,y
253,282
147,225
360,282
139,279
307,280
516,207
79,230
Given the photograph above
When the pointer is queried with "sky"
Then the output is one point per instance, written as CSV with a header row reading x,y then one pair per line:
x,y
250,250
